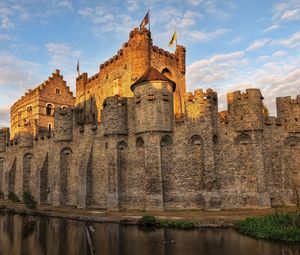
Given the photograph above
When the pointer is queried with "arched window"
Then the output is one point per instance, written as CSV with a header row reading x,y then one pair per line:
x,y
49,109
166,141
293,141
122,145
195,140
166,72
140,142
243,139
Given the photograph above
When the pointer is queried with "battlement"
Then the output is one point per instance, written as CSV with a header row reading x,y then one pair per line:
x,y
245,110
199,95
250,94
288,111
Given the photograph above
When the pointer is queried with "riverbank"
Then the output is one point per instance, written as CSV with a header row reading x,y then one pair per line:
x,y
222,218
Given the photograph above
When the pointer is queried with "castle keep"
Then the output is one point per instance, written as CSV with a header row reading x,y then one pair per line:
x,y
137,140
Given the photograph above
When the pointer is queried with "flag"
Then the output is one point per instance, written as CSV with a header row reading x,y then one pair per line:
x,y
174,37
78,68
145,21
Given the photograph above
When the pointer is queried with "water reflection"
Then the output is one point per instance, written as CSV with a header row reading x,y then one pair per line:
x,y
33,235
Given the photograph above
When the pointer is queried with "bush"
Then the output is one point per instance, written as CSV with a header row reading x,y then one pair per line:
x,y
13,197
283,226
29,200
150,221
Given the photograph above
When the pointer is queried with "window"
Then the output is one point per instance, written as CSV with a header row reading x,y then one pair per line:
x,y
29,110
49,109
151,96
49,127
137,99
57,91
165,96
19,115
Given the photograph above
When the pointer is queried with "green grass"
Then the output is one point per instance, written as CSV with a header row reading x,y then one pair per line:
x,y
284,226
13,197
151,221
29,200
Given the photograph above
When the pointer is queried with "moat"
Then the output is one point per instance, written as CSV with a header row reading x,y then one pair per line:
x,y
42,235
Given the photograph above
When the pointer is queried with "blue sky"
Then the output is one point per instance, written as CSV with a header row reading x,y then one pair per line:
x,y
230,44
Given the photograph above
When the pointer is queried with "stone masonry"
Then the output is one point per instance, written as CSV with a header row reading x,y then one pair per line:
x,y
136,140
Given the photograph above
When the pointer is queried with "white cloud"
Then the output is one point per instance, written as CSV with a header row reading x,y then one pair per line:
x,y
291,15
279,53
4,37
202,36
271,28
4,116
292,41
64,57
286,11
258,44
65,4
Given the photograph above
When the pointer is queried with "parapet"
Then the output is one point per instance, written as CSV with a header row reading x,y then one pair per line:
x,y
114,116
245,110
199,95
63,124
4,139
288,111
200,104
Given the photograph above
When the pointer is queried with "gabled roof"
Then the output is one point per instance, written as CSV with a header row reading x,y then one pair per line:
x,y
152,74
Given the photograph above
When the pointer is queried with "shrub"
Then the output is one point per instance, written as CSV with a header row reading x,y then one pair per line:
x,y
283,226
13,197
29,200
147,221
152,221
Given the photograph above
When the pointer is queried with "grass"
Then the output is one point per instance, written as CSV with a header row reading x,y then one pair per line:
x,y
151,221
13,197
29,200
283,226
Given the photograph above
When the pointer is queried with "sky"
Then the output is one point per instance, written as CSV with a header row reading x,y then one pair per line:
x,y
231,45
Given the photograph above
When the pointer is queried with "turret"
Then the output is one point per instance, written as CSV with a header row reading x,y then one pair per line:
x,y
4,139
63,124
139,44
180,54
288,111
245,110
153,95
201,105
114,116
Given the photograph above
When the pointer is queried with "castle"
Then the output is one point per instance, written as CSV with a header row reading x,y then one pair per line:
x,y
136,140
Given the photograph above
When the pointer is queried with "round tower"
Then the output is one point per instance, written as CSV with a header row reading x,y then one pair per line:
x,y
114,116
63,124
153,95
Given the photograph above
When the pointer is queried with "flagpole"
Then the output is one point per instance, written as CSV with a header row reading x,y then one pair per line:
x,y
149,18
149,38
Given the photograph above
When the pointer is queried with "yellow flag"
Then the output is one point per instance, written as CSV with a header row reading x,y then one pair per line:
x,y
174,37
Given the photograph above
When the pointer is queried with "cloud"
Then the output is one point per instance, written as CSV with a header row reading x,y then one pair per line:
x,y
64,57
214,69
271,28
65,4
107,19
4,116
276,74
258,44
292,41
202,36
291,15
4,37
286,11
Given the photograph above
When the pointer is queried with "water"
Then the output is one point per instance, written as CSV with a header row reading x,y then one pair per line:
x,y
40,235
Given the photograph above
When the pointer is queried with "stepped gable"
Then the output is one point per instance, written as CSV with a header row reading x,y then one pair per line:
x,y
152,74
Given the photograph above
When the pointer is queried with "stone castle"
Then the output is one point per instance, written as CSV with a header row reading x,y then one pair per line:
x,y
134,139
